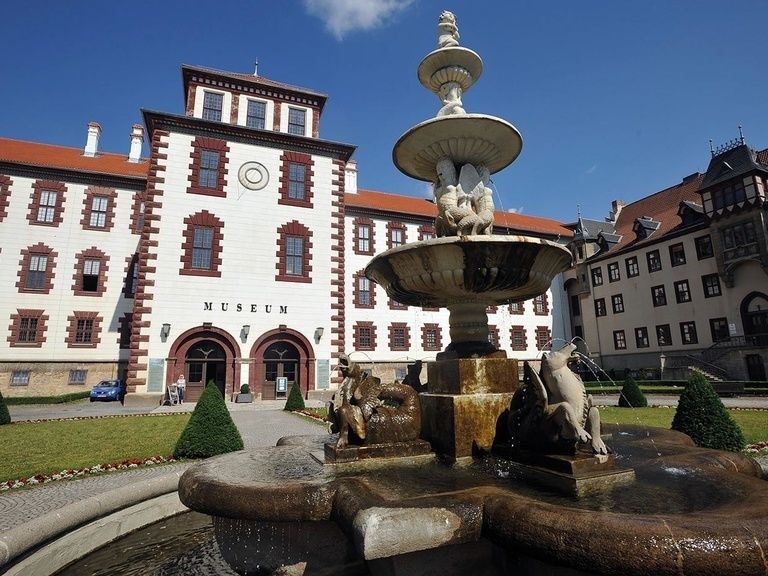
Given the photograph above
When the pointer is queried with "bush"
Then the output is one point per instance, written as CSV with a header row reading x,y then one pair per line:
x,y
5,416
245,389
701,414
295,400
631,396
210,430
63,399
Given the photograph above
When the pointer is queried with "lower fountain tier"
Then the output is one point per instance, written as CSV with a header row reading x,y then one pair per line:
x,y
474,139
485,270
691,510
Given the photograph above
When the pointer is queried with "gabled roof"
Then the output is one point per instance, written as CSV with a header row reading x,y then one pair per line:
x,y
589,229
397,204
734,162
661,207
72,159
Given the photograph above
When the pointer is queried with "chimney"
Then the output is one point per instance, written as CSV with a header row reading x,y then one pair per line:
x,y
137,139
92,143
616,207
350,177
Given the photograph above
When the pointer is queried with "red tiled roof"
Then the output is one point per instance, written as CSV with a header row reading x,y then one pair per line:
x,y
65,158
661,207
410,205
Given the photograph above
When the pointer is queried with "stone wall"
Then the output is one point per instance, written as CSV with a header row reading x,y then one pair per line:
x,y
52,378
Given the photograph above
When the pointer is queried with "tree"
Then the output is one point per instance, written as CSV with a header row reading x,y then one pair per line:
x,y
701,414
295,400
631,396
5,416
210,430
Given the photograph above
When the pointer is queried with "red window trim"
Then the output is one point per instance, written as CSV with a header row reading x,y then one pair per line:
x,y
356,223
438,337
5,193
494,330
356,335
72,329
91,253
286,159
392,226
205,219
34,205
426,228
124,330
518,330
406,336
356,291
136,209
26,255
545,305
15,328
542,344
394,305
198,145
131,261
521,308
293,228
110,195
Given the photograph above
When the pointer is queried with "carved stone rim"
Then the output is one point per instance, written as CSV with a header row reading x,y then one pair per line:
x,y
445,58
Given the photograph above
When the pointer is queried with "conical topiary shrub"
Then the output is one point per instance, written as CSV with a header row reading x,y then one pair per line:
x,y
210,430
701,415
5,416
295,400
631,396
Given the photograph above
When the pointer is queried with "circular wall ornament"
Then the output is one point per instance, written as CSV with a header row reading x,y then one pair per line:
x,y
253,175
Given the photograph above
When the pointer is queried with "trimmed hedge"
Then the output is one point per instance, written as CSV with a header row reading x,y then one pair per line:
x,y
5,416
210,430
295,400
63,399
631,396
701,414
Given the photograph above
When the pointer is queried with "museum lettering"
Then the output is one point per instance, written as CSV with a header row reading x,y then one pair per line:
x,y
254,308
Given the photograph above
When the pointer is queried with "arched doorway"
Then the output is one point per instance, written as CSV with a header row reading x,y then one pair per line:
x,y
754,318
285,354
205,354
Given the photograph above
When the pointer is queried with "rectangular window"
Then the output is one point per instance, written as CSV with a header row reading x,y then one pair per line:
x,y
597,276
682,291
47,209
516,308
617,301
600,307
659,295
493,336
738,235
518,338
641,337
209,169
91,275
294,255
575,305
27,330
20,378
38,264
613,272
363,238
542,337
84,331
711,284
664,335
704,247
297,121
654,261
632,267
212,105
688,333
364,337
677,254
619,340
202,247
719,329
398,338
396,237
363,291
296,181
99,211
540,307
257,114
430,336
77,376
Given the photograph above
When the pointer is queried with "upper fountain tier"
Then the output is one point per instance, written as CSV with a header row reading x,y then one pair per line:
x,y
478,139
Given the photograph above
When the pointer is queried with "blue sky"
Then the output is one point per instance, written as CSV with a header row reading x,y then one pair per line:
x,y
613,99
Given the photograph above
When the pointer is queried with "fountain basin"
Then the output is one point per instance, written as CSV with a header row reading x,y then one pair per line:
x,y
451,64
469,269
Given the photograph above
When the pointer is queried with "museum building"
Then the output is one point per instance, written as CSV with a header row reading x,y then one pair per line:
x,y
677,281
234,253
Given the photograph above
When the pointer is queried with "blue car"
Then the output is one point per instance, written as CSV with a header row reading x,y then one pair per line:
x,y
108,390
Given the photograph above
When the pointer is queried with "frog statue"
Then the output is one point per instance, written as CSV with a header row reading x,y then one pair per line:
x,y
552,412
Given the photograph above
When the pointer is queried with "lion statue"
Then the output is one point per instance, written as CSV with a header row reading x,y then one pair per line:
x,y
552,411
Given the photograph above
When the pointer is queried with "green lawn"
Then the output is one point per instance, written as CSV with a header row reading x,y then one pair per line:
x,y
33,448
754,423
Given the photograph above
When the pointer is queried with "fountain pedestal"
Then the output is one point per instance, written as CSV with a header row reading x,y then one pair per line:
x,y
465,401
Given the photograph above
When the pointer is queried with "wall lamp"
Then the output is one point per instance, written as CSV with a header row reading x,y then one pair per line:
x,y
165,330
244,331
318,333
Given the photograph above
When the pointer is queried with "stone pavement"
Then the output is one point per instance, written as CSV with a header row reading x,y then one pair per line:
x,y
260,424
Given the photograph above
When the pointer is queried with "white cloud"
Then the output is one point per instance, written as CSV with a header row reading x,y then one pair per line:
x,y
343,16
515,210
591,169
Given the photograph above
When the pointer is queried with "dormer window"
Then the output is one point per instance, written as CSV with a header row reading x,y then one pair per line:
x,y
297,120
257,114
213,102
645,226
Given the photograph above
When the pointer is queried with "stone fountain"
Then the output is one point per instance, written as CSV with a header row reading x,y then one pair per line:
x,y
481,474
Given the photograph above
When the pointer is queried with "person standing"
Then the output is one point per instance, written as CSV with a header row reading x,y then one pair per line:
x,y
181,386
